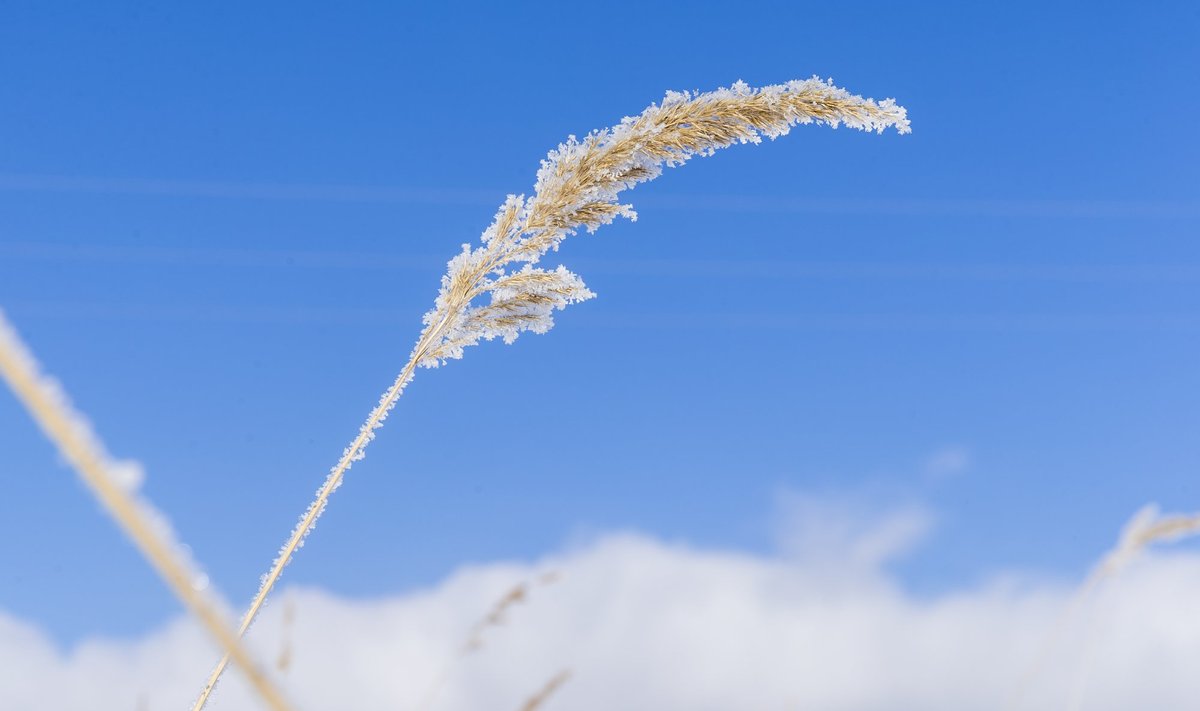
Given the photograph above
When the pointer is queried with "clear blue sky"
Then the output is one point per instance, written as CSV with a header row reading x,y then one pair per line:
x,y
219,226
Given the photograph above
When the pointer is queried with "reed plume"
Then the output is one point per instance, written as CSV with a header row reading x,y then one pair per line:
x,y
494,290
114,483
1149,525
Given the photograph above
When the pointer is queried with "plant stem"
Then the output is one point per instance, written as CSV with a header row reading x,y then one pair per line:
x,y
61,426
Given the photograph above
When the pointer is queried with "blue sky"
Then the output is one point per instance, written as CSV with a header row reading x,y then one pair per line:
x,y
219,227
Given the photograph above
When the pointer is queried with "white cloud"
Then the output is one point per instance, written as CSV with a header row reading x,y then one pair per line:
x,y
645,624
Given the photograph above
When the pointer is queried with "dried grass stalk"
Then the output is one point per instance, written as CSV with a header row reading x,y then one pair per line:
x,y
498,615
495,617
539,699
495,291
283,662
114,484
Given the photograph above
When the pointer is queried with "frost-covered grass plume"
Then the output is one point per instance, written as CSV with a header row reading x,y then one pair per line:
x,y
495,289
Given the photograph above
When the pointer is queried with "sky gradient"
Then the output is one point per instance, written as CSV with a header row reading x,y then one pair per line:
x,y
219,227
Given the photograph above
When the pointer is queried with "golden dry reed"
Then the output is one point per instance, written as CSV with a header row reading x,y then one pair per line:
x,y
114,484
485,295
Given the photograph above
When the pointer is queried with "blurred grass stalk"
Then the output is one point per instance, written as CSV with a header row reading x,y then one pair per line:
x,y
116,489
1148,526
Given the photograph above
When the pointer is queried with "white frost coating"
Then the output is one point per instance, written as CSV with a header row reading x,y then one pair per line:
x,y
517,240
522,301
308,520
128,474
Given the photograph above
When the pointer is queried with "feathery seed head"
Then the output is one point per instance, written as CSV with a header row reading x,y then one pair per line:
x,y
578,186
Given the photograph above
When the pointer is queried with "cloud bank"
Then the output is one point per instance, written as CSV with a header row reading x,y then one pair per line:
x,y
647,624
